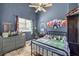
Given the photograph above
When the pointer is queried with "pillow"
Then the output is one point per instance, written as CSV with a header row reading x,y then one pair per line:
x,y
13,33
47,37
5,34
57,37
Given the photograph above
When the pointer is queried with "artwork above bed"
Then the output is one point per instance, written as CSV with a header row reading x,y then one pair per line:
x,y
57,24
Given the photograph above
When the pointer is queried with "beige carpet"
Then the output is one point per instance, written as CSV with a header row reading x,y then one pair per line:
x,y
25,51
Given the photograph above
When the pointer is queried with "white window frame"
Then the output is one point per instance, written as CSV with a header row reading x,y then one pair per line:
x,y
23,26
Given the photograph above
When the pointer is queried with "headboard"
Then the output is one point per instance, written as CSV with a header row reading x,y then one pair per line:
x,y
59,33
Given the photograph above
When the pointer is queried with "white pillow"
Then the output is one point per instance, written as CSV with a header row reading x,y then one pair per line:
x,y
5,34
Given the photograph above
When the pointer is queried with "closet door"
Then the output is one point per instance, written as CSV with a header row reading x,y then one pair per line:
x,y
73,34
72,29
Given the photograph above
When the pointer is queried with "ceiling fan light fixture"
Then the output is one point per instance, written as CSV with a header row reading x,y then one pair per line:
x,y
40,6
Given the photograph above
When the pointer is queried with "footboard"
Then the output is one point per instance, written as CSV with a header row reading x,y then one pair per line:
x,y
38,49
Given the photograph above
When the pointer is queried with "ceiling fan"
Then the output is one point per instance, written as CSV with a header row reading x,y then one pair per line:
x,y
40,6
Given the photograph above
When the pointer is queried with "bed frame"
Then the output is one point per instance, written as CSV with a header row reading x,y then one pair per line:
x,y
41,49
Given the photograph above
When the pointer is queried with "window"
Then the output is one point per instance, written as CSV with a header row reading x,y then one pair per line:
x,y
24,25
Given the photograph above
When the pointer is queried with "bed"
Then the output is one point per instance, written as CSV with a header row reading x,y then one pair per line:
x,y
50,47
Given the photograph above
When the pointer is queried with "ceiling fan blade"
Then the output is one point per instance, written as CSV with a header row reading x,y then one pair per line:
x,y
37,10
40,9
37,4
43,9
48,5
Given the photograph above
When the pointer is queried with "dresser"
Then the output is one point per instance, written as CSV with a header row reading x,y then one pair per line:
x,y
11,43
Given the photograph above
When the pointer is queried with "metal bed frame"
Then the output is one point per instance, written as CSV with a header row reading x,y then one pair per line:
x,y
42,49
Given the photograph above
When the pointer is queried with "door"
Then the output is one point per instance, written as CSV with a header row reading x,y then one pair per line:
x,y
72,29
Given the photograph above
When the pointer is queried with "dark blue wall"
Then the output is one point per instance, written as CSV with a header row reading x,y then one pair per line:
x,y
73,5
1,9
57,11
10,11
